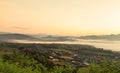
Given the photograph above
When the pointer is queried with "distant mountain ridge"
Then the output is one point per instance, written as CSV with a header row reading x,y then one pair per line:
x,y
6,36
104,37
34,37
15,36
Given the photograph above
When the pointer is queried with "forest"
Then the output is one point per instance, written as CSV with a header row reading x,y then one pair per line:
x,y
57,58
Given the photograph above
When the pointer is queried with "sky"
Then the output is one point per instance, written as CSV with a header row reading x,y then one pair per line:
x,y
60,17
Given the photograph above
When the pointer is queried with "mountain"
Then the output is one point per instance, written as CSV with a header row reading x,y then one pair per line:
x,y
48,37
111,37
39,35
6,36
15,36
56,38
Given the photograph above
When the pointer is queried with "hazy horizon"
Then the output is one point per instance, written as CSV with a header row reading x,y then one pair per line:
x,y
57,34
60,17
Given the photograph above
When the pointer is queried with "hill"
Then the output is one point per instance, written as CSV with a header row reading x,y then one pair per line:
x,y
102,37
15,36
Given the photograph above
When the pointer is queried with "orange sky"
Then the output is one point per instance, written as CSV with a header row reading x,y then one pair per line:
x,y
60,17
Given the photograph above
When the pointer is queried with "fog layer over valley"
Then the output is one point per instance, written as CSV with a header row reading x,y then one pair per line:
x,y
110,42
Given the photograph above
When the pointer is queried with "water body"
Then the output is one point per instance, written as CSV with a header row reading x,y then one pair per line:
x,y
105,44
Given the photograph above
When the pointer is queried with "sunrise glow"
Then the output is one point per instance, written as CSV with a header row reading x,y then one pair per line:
x,y
60,17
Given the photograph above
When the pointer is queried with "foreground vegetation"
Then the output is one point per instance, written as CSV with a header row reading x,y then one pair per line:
x,y
57,58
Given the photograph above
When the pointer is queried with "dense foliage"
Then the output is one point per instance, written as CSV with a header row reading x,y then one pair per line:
x,y
57,58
